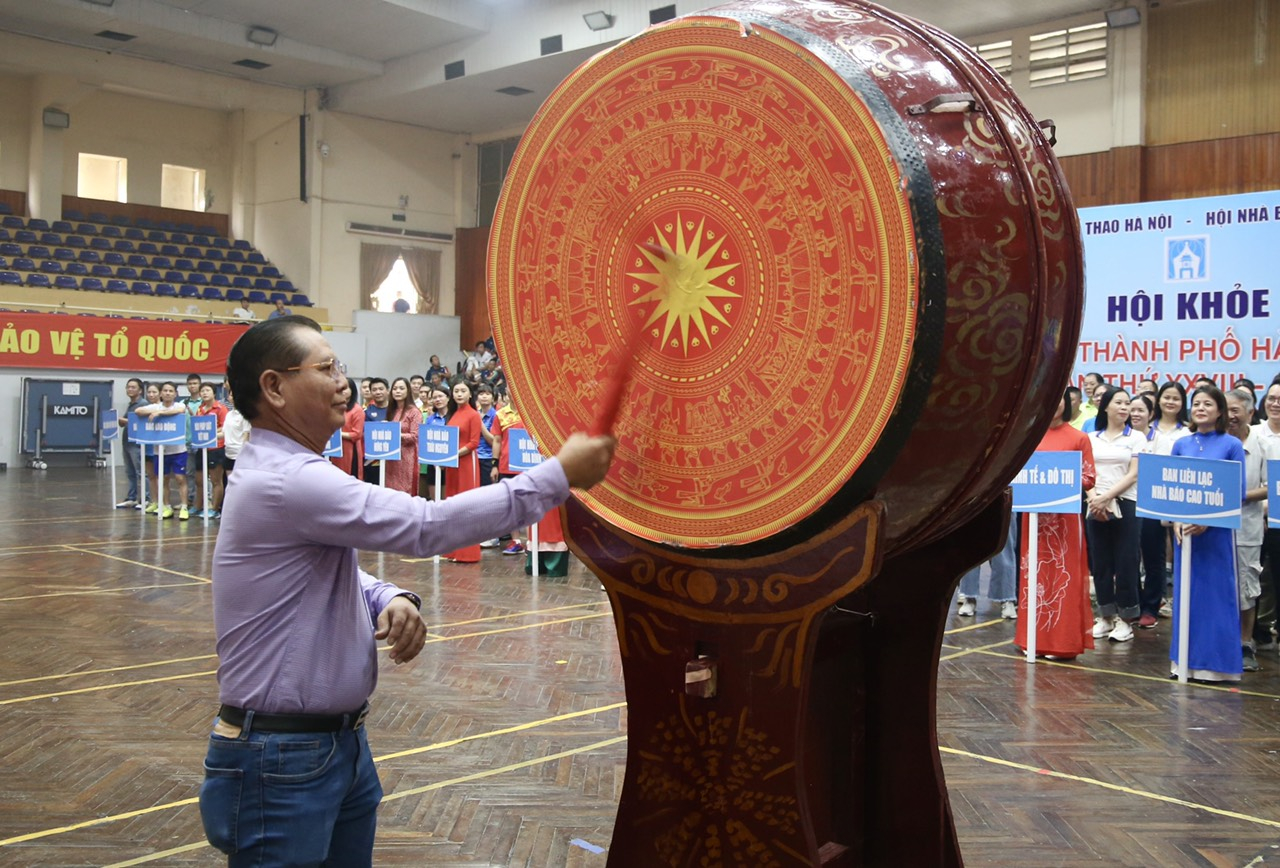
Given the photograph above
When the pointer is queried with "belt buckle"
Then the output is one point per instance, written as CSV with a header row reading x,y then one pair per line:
x,y
359,721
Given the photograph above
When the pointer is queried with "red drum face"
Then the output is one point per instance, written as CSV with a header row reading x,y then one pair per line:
x,y
830,281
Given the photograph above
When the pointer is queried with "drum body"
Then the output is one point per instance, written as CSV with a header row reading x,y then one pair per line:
x,y
835,252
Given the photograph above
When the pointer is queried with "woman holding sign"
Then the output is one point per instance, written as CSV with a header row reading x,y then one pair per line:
x,y
1062,569
463,416
402,473
1214,653
1112,525
351,461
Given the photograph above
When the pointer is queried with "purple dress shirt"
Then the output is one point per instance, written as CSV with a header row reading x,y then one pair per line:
x,y
294,612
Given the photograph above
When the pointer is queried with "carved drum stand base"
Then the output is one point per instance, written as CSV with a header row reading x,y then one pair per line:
x,y
781,708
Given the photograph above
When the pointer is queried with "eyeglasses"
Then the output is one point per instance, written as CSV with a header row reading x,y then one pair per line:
x,y
336,370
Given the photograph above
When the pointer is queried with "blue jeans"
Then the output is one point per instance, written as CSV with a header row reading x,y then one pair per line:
x,y
1004,572
130,467
276,799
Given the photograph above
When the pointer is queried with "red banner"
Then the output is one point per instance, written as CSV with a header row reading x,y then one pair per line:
x,y
46,340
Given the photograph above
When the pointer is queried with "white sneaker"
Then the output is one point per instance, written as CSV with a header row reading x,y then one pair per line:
x,y
1009,610
490,544
1122,632
968,606
126,504
1102,627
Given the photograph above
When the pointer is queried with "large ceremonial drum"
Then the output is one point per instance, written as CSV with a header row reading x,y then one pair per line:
x,y
831,247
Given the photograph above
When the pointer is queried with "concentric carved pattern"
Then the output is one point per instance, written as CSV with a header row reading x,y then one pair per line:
x,y
715,767
732,204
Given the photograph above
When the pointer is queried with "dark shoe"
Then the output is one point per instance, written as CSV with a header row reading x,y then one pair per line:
x,y
1250,659
1147,621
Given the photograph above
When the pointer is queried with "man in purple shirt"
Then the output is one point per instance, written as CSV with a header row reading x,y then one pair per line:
x,y
289,779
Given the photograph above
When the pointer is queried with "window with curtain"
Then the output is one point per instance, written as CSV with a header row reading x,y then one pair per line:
x,y
399,280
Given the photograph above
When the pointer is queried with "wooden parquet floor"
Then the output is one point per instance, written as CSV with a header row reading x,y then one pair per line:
x,y
504,743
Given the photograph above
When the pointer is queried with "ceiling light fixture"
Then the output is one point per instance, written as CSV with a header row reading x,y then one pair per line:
x,y
262,36
598,20
1126,16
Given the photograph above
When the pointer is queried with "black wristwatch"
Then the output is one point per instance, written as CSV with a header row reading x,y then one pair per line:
x,y
413,598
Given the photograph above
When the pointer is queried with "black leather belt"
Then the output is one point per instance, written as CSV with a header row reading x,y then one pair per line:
x,y
267,722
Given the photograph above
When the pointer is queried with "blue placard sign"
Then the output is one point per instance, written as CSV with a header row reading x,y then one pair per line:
x,y
1273,495
110,424
1189,490
1050,482
524,452
204,432
381,441
438,445
333,449
159,430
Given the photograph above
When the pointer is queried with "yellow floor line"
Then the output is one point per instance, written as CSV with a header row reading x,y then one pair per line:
x,y
55,547
1221,688
977,650
78,673
81,593
163,854
1130,791
976,626
18,699
521,627
138,564
527,613
45,833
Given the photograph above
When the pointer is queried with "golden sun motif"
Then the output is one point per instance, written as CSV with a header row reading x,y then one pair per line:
x,y
683,283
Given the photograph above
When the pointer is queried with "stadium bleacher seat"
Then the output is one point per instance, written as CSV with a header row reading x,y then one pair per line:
x,y
4,234
72,214
264,284
242,283
51,266
25,236
184,265
10,278
228,268
22,263
113,258
192,252
39,224
13,222
219,280
241,244
119,219
197,278
5,209
39,280
180,237
111,232
207,230
214,253
235,256
257,296
53,239
257,258
141,287
89,256
101,270
92,283
100,243
144,223
77,268
63,226
65,254
161,262
219,241
117,286
285,286
38,251
211,293
234,294
98,217
200,239
137,260
75,241
167,290
124,245
63,281
271,271
171,250
206,266
278,296
127,272
86,229
8,248
187,291
135,234
148,248
157,236
150,274
175,276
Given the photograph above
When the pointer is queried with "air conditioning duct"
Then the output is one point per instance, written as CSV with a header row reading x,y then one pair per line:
x,y
402,234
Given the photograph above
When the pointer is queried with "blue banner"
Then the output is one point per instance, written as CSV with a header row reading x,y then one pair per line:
x,y
1181,289
438,445
333,449
1189,490
1273,496
381,440
524,451
204,432
110,425
1050,482
159,431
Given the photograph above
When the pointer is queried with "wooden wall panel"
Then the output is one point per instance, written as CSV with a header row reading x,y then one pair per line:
x,y
154,213
1106,178
471,303
1214,168
1212,70
16,200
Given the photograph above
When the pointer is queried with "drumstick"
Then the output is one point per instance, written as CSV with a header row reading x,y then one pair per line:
x,y
611,400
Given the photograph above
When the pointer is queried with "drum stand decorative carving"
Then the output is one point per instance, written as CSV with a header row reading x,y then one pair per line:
x,y
781,708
